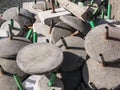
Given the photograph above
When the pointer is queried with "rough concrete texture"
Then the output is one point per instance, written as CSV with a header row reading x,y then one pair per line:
x,y
78,11
42,31
39,58
9,48
11,67
3,34
16,30
115,9
7,83
106,21
75,55
12,13
47,16
96,43
61,29
75,23
71,80
34,8
102,77
41,83
2,21
37,20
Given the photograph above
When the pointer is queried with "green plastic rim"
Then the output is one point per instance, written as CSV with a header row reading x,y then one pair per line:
x,y
12,22
29,34
92,24
52,79
102,14
35,37
91,2
18,81
57,3
109,11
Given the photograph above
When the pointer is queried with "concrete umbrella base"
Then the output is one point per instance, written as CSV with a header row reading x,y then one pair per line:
x,y
2,21
61,29
39,58
104,41
74,53
10,67
16,30
3,34
75,23
7,83
9,48
24,18
42,31
100,77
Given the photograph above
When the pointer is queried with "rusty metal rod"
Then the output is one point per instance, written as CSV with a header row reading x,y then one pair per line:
x,y
10,32
102,59
51,25
93,86
107,32
53,7
2,70
64,43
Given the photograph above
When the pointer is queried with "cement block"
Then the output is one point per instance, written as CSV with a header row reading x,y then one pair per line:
x,y
16,29
46,16
30,6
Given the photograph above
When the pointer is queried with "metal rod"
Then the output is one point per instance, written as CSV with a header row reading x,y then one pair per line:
x,y
102,59
35,37
107,32
64,43
51,25
93,86
102,14
52,79
35,1
18,9
53,7
47,41
12,23
2,70
92,24
10,32
91,2
29,34
18,81
109,11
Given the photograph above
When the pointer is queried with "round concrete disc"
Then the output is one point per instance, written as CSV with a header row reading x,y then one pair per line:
x,y
3,34
106,21
10,66
96,43
39,58
75,55
61,29
9,48
16,29
71,80
75,23
12,13
1,21
42,31
41,5
102,77
7,83
42,82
